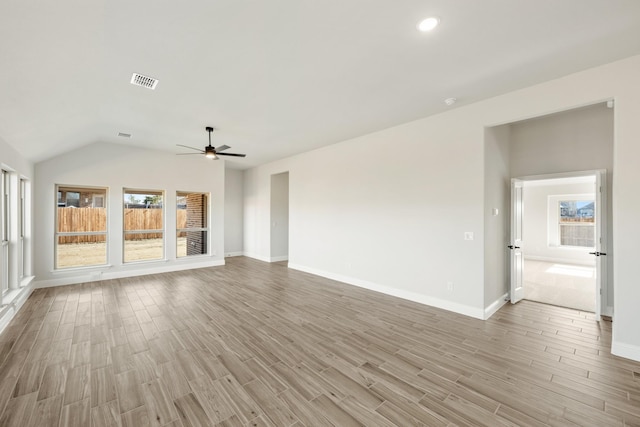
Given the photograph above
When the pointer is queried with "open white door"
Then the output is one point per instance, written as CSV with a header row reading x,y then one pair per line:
x,y
515,247
600,239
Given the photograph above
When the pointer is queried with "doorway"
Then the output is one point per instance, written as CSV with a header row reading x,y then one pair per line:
x,y
579,139
557,240
279,217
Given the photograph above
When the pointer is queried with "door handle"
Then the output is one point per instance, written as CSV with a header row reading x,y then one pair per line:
x,y
513,247
596,253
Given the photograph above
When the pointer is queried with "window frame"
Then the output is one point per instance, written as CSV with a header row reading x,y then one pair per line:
x,y
58,234
23,227
5,230
207,218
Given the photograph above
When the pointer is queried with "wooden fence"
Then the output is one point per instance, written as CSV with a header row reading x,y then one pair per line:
x,y
577,233
86,220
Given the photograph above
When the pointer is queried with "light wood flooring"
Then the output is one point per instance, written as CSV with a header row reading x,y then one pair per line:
x,y
257,344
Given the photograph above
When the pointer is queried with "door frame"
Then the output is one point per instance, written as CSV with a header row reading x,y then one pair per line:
x,y
601,229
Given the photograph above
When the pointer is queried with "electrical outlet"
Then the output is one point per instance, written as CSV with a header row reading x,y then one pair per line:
x,y
468,235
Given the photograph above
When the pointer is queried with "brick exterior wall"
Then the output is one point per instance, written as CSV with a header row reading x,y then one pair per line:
x,y
85,200
196,218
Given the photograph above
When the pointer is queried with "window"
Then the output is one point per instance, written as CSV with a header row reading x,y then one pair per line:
x,y
98,201
143,225
22,229
577,223
81,230
192,229
4,232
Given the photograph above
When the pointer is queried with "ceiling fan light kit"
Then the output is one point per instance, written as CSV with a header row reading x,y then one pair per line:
x,y
210,152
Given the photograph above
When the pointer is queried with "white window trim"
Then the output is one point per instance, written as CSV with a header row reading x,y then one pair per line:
x,y
23,229
207,228
553,219
5,230
163,258
84,233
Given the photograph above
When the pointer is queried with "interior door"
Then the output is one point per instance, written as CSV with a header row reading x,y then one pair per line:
x,y
515,245
600,239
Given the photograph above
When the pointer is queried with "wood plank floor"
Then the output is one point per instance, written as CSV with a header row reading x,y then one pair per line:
x,y
257,344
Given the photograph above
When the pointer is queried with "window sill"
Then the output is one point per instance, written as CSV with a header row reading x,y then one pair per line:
x,y
145,261
187,257
26,281
13,296
80,269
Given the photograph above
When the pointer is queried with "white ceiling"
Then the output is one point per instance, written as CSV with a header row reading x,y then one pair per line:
x,y
278,77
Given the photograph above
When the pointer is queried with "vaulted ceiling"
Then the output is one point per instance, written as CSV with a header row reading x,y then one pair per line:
x,y
280,77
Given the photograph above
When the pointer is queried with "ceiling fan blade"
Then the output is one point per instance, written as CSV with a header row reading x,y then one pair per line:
x,y
222,148
231,154
193,148
189,154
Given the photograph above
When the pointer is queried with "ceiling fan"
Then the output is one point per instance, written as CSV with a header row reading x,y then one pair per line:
x,y
210,152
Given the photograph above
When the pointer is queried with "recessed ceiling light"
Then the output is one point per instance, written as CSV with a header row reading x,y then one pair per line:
x,y
428,24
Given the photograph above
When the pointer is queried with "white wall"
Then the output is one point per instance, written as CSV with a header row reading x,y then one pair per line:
x,y
279,217
497,184
116,167
537,226
233,212
395,223
10,158
388,222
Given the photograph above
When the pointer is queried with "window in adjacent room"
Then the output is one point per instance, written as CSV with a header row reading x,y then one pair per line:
x,y
192,229
81,229
143,225
577,223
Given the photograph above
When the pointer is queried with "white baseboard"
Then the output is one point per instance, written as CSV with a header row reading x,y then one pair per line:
x,y
232,254
466,310
266,258
258,257
625,350
495,306
95,276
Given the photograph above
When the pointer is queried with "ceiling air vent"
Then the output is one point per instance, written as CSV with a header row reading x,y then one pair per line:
x,y
144,81
124,135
